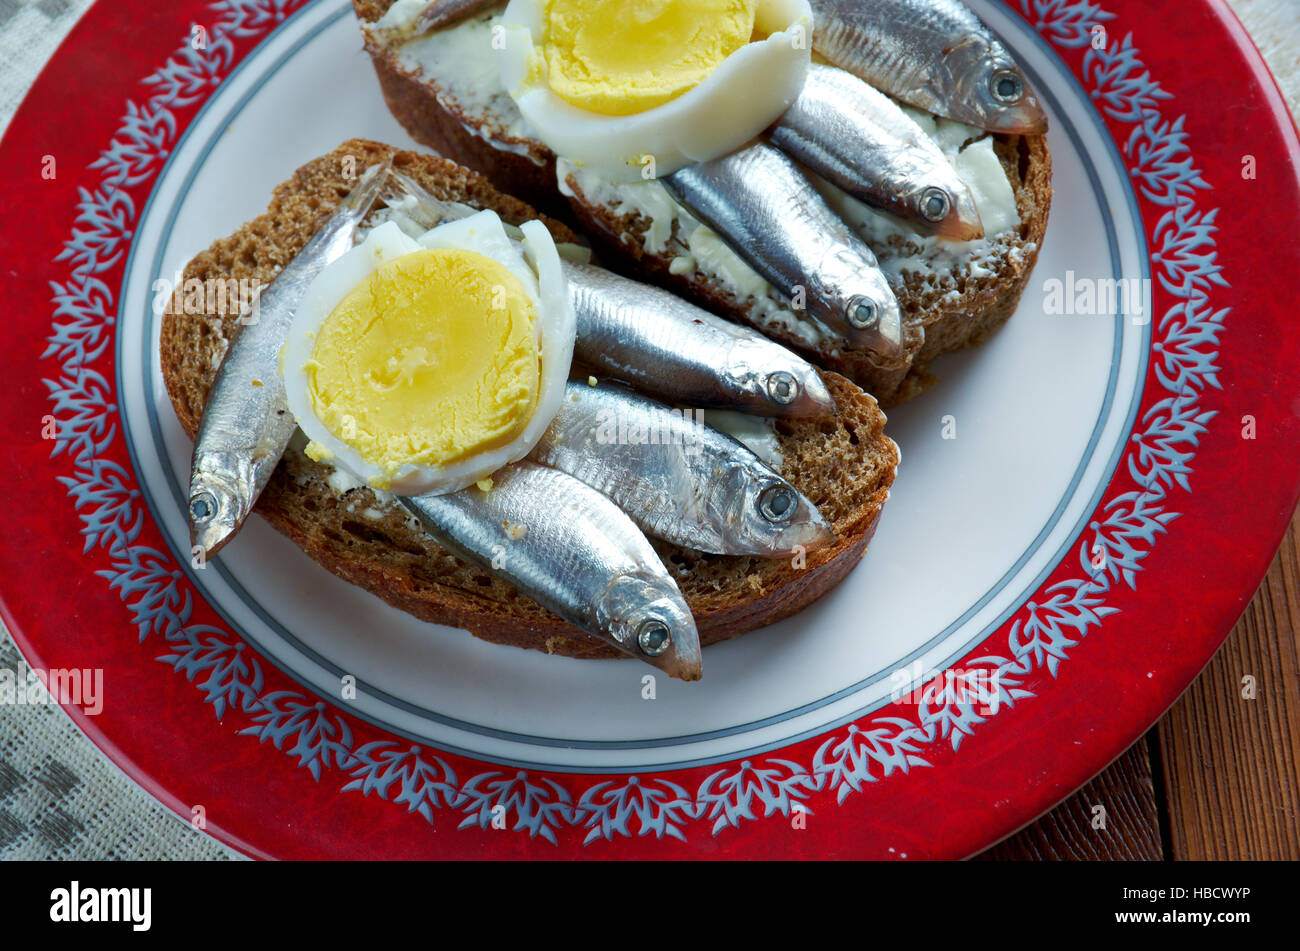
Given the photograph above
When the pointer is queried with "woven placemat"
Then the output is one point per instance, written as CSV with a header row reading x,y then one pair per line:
x,y
60,798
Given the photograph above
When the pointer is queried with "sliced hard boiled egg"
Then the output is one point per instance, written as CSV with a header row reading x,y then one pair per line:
x,y
612,84
423,365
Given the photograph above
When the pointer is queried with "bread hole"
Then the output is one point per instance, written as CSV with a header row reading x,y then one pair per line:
x,y
678,559
483,581
423,574
703,562
415,551
366,533
853,435
1025,158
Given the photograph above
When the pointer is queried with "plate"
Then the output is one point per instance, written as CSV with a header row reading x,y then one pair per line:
x,y
1085,506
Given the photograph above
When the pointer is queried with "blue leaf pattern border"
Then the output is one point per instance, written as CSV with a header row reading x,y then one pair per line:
x,y
229,676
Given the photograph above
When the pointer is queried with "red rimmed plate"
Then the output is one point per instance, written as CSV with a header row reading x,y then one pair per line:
x,y
1086,502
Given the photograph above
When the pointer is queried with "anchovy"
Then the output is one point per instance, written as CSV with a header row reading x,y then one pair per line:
x,y
653,339
574,552
246,424
861,141
658,342
412,199
443,13
760,203
436,15
933,54
676,477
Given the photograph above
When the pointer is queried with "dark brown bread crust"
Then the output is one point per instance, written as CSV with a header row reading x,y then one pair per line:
x,y
369,11
845,465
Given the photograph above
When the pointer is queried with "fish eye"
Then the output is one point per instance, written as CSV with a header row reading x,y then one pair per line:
x,y
203,506
653,637
777,503
1007,86
934,204
782,387
861,313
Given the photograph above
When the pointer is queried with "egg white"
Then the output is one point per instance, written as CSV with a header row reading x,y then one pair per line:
x,y
534,262
748,91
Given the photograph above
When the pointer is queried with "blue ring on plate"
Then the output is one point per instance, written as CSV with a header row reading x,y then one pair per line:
x,y
179,494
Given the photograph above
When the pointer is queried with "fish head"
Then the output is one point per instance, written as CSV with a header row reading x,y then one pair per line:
x,y
217,506
788,387
950,210
648,619
987,89
854,298
768,517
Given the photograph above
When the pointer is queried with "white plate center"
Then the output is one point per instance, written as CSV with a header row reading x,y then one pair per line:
x,y
1038,413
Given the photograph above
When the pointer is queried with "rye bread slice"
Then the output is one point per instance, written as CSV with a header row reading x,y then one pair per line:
x,y
845,465
516,165
942,313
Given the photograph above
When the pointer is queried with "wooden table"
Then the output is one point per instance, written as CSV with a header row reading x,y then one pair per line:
x,y
1219,776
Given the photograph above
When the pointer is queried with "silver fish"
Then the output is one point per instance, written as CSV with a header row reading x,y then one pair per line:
x,y
861,141
653,339
935,55
760,203
246,424
407,196
658,342
443,13
436,15
574,552
677,478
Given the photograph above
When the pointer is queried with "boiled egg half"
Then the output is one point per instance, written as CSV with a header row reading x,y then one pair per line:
x,y
423,365
614,84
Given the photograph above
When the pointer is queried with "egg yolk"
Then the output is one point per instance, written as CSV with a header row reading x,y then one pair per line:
x,y
620,57
431,359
